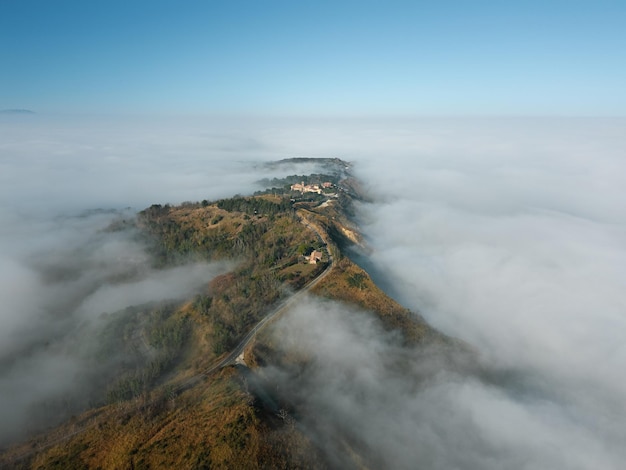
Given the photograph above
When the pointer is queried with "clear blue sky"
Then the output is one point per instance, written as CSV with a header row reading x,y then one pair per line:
x,y
296,57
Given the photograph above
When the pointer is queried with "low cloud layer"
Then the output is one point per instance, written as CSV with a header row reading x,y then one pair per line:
x,y
364,397
519,249
72,164
508,234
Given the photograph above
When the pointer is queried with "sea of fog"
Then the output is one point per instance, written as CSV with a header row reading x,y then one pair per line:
x,y
509,234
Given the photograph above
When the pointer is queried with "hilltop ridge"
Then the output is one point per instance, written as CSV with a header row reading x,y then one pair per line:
x,y
170,405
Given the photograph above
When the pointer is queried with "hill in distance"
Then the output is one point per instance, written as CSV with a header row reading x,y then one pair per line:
x,y
16,111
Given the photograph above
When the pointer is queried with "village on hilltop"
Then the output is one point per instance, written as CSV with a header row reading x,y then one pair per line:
x,y
311,188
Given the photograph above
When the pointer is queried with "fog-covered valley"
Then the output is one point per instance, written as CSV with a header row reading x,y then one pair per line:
x,y
507,234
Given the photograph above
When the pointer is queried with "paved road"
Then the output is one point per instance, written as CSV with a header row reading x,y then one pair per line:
x,y
231,358
285,305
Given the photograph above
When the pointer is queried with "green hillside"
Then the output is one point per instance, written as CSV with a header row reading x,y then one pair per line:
x,y
165,406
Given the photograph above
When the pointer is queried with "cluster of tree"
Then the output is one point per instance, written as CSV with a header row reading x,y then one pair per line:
x,y
164,331
155,210
307,199
305,249
358,280
263,245
274,191
254,205
239,306
173,240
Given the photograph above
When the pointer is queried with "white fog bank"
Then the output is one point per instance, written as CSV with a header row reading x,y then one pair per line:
x,y
507,233
511,235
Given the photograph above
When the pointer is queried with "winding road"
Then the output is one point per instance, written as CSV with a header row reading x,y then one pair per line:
x,y
232,357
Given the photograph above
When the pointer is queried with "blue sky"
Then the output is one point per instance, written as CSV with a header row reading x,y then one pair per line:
x,y
314,58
